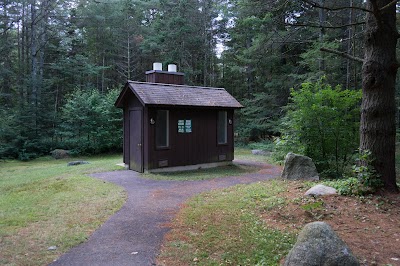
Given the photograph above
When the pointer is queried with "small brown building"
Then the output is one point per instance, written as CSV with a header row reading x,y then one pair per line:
x,y
170,126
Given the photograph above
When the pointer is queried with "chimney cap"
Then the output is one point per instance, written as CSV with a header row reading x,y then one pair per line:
x,y
157,66
172,68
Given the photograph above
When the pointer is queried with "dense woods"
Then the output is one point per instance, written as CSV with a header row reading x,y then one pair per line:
x,y
62,60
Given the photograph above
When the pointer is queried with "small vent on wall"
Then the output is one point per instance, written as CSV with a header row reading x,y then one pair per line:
x,y
222,157
163,163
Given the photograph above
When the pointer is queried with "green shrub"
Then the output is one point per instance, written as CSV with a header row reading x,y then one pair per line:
x,y
258,119
323,123
364,178
90,123
18,140
347,186
267,145
366,173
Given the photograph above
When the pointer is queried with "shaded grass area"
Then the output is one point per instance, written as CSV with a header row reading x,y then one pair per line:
x,y
234,226
242,153
225,227
203,174
47,203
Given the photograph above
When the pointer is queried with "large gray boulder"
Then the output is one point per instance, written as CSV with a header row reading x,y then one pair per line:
x,y
320,190
59,154
299,167
318,245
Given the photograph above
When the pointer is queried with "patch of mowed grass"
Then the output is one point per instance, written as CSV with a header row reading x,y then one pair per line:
x,y
47,203
242,153
203,174
223,227
216,172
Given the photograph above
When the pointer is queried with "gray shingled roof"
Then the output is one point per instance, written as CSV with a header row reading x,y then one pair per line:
x,y
182,95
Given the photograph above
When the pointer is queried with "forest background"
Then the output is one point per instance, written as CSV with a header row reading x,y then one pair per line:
x,y
63,63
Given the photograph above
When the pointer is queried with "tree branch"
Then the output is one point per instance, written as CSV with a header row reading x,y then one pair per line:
x,y
343,54
376,12
326,27
382,9
316,5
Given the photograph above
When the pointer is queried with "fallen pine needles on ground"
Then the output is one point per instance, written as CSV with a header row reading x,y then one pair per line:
x,y
257,224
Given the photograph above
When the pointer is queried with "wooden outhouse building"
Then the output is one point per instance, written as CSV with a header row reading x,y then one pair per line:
x,y
171,126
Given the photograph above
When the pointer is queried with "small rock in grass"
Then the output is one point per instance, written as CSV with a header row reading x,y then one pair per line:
x,y
320,190
77,163
52,248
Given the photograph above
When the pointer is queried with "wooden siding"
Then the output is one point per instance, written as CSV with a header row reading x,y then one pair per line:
x,y
126,136
146,142
156,76
198,104
199,146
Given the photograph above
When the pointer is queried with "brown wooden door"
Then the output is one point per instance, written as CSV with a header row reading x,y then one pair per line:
x,y
135,141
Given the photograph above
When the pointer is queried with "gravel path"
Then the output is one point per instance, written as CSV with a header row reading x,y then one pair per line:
x,y
133,235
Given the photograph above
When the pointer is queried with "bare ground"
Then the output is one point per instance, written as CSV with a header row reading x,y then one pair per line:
x,y
370,226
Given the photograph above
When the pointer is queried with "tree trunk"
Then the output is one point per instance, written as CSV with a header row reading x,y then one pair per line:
x,y
350,43
377,129
322,19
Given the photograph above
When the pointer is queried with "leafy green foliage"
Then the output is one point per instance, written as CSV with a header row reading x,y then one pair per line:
x,y
312,60
348,186
256,68
313,207
7,134
321,122
365,173
258,121
20,137
267,145
184,32
364,180
90,122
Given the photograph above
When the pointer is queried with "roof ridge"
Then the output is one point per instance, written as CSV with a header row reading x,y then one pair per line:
x,y
150,93
176,85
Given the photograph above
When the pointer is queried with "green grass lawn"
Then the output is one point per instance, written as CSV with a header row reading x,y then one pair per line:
x,y
210,173
223,227
203,174
47,203
245,154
